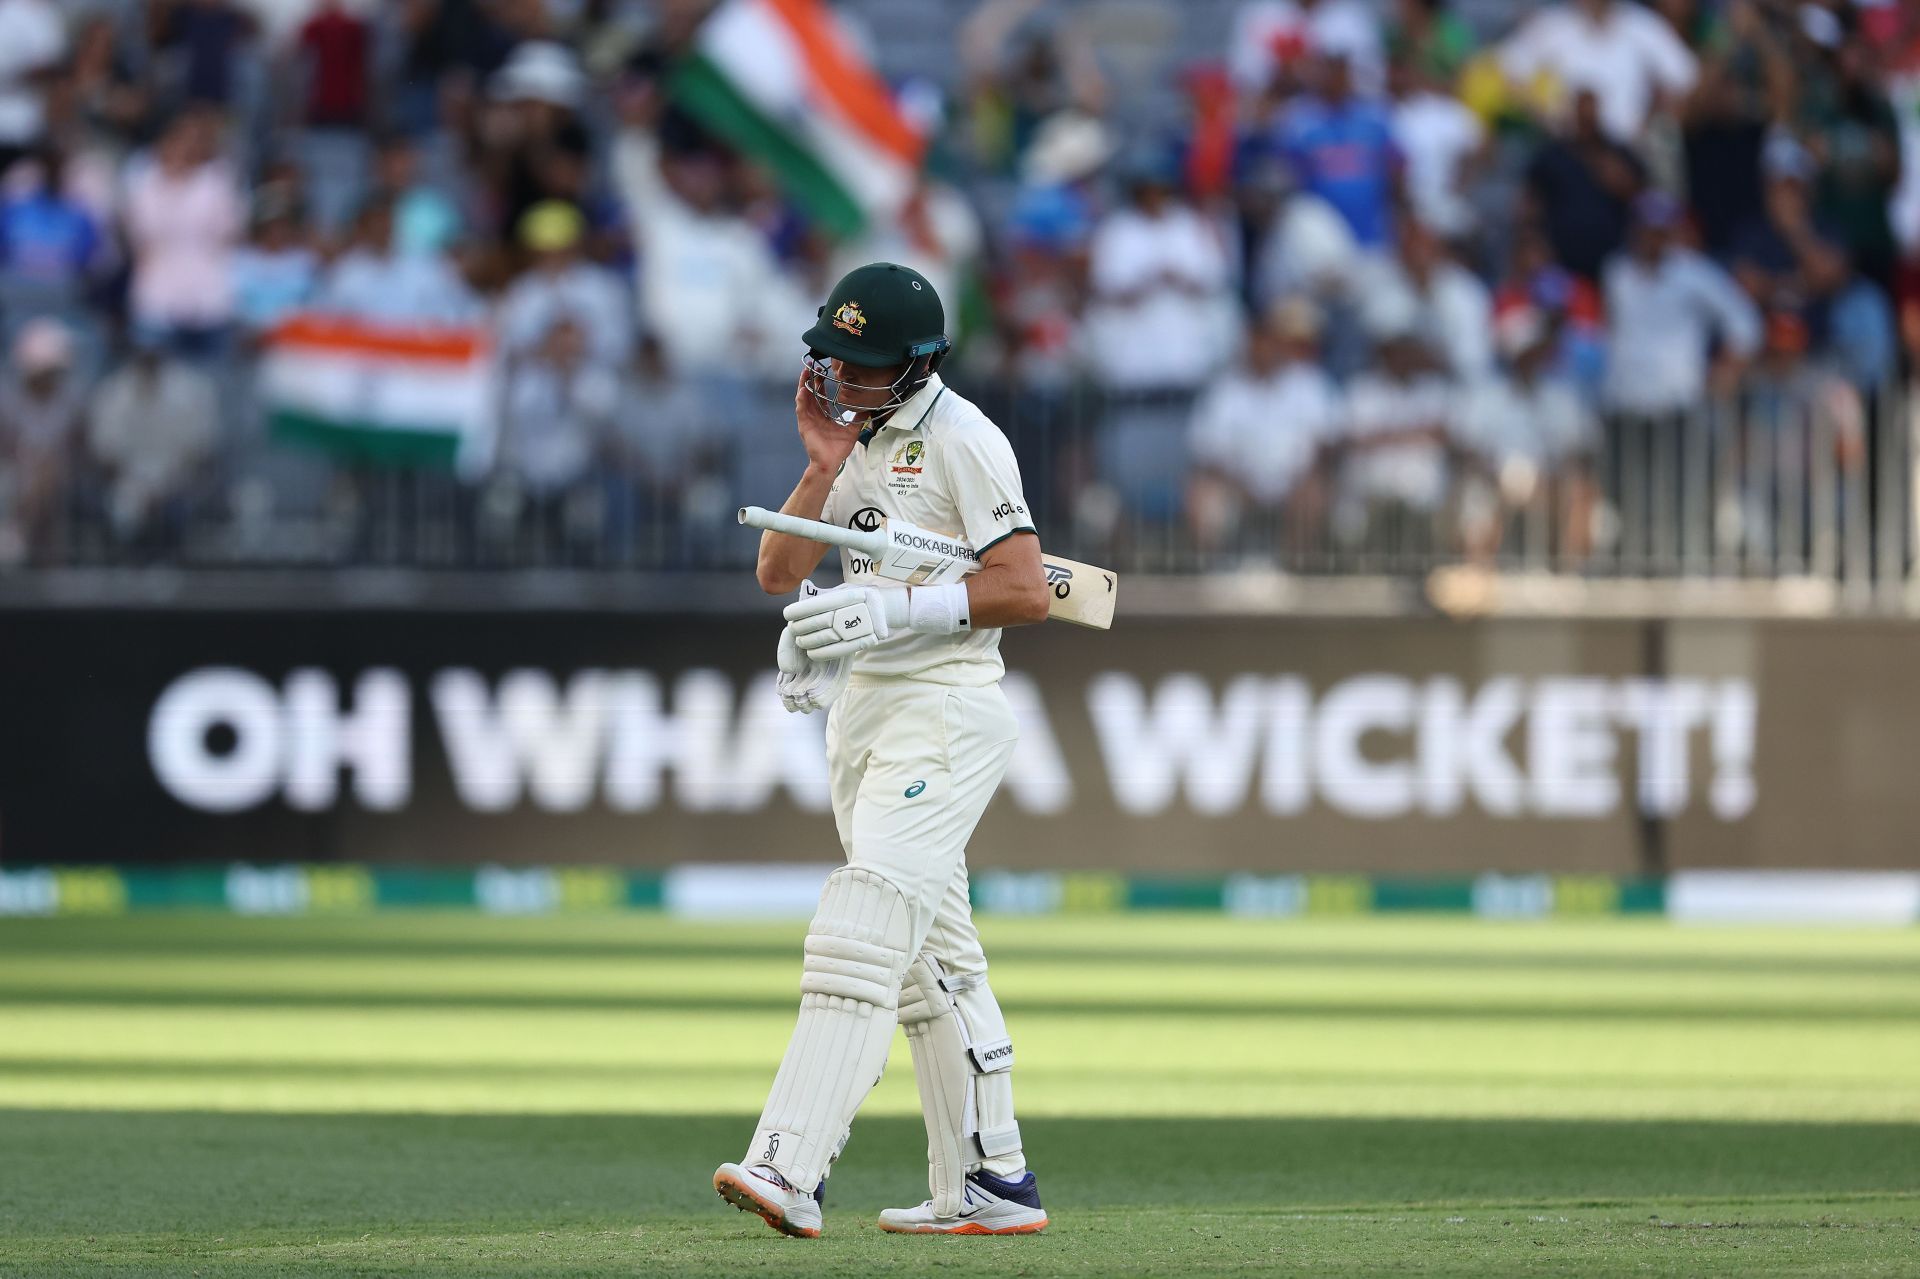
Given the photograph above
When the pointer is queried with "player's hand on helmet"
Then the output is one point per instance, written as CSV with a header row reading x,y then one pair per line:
x,y
827,442
841,622
806,684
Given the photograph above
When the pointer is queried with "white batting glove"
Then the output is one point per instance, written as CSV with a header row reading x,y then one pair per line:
x,y
847,619
805,684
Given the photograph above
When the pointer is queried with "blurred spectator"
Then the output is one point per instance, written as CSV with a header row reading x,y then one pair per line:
x,y
1846,121
1049,232
51,248
184,217
704,269
378,280
1431,39
1781,250
1307,248
1624,54
1668,308
201,44
425,218
336,46
151,429
333,60
557,424
106,105
40,411
1278,38
448,46
1795,403
1010,95
1160,316
1569,304
33,40
531,139
1445,305
1257,434
277,271
1055,205
1583,184
1535,436
1443,142
1341,148
560,406
1745,81
559,285
1395,471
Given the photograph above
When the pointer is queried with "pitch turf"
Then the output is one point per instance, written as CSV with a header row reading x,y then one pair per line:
x,y
453,1095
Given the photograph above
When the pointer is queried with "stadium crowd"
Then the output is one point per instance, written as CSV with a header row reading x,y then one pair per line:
x,y
1403,265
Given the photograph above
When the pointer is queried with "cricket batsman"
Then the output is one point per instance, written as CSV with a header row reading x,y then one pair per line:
x,y
918,736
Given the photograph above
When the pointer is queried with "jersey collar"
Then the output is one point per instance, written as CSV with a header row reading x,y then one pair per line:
x,y
913,415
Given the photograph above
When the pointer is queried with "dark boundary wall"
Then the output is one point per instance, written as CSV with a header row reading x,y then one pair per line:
x,y
1425,746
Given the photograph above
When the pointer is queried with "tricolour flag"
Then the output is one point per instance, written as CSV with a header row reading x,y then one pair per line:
x,y
376,393
781,81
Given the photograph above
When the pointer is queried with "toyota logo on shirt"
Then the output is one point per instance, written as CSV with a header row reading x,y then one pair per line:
x,y
867,519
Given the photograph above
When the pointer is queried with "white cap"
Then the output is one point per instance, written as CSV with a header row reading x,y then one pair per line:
x,y
540,71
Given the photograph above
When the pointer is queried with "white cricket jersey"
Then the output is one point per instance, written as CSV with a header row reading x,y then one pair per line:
x,y
938,463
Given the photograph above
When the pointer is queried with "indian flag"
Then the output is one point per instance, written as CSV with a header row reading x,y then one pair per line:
x,y
376,393
781,81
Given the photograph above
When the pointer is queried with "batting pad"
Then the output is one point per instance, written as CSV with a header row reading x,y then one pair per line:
x,y
856,956
963,1062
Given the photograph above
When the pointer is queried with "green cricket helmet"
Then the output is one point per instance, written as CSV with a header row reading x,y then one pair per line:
x,y
878,316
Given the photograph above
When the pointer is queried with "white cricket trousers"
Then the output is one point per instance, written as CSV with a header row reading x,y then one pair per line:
x,y
912,767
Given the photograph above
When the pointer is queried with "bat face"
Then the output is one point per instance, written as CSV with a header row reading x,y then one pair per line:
x,y
1082,594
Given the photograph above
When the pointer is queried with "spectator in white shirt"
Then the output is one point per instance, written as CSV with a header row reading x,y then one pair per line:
x,y
1450,310
1161,316
382,283
1443,142
152,427
704,269
33,40
1668,308
1534,435
1395,468
561,283
1626,54
1257,434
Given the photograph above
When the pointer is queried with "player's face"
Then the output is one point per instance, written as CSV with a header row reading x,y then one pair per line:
x,y
862,387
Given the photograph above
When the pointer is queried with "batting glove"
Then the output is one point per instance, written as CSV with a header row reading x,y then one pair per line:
x,y
847,619
806,684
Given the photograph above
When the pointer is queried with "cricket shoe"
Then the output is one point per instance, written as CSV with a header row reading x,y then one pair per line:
x,y
989,1206
761,1190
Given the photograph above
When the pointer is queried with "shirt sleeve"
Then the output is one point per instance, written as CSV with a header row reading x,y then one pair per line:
x,y
1672,63
830,509
1727,307
984,481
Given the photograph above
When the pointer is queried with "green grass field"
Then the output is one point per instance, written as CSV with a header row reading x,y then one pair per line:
x,y
441,1094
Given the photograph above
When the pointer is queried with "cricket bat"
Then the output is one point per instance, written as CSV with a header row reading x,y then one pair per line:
x,y
1082,594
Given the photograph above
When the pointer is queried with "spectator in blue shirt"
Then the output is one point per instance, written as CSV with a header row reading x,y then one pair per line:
x,y
49,242
1341,149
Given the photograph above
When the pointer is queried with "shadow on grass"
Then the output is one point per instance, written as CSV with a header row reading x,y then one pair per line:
x,y
422,997
85,1172
162,937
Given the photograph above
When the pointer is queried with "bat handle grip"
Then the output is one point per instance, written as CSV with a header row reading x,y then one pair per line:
x,y
814,530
